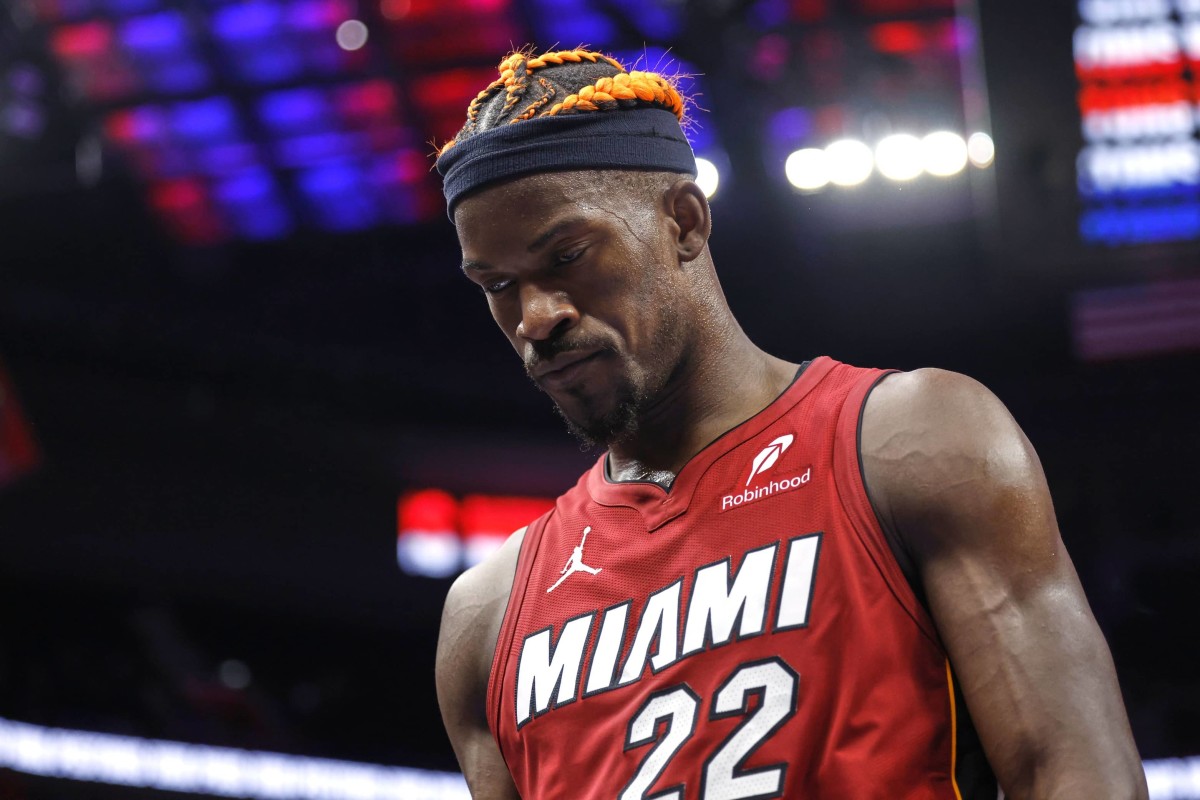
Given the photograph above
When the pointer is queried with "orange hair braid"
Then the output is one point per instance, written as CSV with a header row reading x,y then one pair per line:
x,y
626,89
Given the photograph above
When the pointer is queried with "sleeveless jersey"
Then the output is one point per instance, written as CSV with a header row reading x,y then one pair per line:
x,y
746,634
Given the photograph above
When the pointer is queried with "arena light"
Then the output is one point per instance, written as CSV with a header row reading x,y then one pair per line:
x,y
898,157
981,149
230,772
215,771
1140,167
1142,46
943,153
850,162
1104,169
427,540
1173,778
438,535
351,34
707,177
807,169
1107,12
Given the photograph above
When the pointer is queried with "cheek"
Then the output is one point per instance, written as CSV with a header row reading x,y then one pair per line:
x,y
506,316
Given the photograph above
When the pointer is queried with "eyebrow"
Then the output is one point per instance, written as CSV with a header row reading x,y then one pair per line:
x,y
555,230
470,265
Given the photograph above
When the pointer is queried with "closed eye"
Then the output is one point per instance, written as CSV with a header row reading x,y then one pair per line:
x,y
570,255
495,287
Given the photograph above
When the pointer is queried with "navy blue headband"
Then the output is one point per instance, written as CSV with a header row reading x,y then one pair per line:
x,y
634,138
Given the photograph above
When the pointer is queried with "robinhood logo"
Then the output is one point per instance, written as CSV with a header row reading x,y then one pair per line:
x,y
769,455
762,462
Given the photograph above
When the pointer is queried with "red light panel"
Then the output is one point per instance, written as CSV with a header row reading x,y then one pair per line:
x,y
483,514
366,102
809,10
897,38
444,96
87,40
427,510
438,535
185,208
18,451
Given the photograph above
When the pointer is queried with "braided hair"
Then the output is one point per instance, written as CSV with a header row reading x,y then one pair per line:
x,y
564,82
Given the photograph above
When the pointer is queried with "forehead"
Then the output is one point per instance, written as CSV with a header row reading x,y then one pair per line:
x,y
522,207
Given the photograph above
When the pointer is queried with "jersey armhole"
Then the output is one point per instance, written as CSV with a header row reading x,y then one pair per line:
x,y
852,491
512,612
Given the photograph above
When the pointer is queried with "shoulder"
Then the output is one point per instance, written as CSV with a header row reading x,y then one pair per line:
x,y
487,580
471,620
938,448
945,407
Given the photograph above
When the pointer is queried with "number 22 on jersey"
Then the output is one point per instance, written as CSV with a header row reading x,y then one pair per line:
x,y
721,776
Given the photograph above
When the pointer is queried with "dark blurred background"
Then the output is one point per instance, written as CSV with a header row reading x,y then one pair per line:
x,y
253,420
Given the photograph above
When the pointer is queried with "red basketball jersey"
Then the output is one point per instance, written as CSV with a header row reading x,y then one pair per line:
x,y
746,634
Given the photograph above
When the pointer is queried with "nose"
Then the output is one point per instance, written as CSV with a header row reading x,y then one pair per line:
x,y
544,314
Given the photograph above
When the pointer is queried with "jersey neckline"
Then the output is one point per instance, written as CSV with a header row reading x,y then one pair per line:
x,y
659,505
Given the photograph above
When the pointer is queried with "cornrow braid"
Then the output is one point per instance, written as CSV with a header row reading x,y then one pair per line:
x,y
586,80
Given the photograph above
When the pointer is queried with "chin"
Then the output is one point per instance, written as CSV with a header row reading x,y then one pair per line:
x,y
599,426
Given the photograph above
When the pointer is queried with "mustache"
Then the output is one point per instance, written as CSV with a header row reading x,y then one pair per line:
x,y
539,352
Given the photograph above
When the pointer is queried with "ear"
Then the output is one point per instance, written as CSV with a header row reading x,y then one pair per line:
x,y
688,209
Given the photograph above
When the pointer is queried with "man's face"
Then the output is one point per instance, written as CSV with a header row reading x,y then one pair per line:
x,y
581,275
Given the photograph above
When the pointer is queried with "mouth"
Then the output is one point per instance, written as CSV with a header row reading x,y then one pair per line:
x,y
566,367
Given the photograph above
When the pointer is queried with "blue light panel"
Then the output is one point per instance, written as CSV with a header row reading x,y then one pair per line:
x,y
216,166
162,49
252,200
337,198
569,23
657,19
213,119
294,111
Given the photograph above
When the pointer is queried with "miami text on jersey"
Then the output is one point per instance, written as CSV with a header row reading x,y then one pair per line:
x,y
549,671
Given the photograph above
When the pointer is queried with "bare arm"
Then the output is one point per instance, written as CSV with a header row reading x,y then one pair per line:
x,y
471,622
954,478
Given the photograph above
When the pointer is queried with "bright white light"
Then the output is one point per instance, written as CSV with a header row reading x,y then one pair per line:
x,y
229,772
1173,778
899,157
707,177
351,34
850,162
981,149
943,153
234,674
215,771
479,546
1122,46
1108,12
435,554
807,169
1105,168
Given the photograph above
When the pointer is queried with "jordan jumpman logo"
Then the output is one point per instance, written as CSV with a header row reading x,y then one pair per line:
x,y
575,562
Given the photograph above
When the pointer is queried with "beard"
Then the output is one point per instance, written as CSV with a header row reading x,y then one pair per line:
x,y
591,417
593,425
612,415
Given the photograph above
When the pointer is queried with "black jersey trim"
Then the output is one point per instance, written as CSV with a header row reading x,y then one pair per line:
x,y
896,545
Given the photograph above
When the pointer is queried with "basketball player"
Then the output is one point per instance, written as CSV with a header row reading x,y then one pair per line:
x,y
781,580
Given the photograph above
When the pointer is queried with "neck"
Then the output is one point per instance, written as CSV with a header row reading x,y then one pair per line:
x,y
726,381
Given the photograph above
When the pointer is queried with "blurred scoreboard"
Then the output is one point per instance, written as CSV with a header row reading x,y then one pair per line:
x,y
438,535
880,108
1138,67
